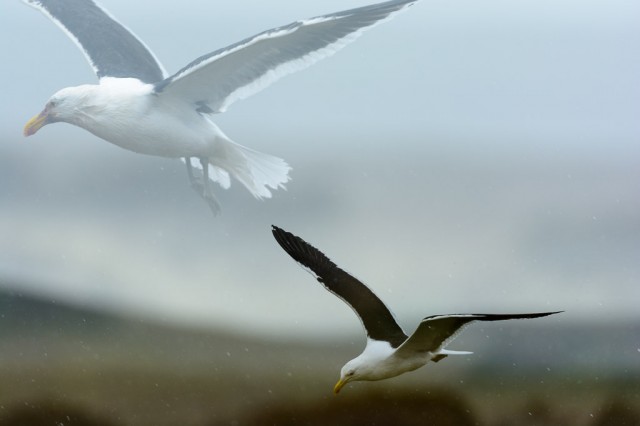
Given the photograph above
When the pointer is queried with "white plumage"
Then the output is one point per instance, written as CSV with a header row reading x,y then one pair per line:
x,y
138,107
389,351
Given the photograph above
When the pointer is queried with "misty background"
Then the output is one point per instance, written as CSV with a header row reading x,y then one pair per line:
x,y
466,156
463,157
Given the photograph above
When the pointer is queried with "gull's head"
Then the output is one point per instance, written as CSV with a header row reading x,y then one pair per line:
x,y
352,371
348,373
376,362
65,105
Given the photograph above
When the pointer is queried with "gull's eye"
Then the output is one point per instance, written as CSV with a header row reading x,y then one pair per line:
x,y
350,373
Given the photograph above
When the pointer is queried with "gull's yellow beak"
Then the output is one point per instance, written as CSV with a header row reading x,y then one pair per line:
x,y
36,123
339,386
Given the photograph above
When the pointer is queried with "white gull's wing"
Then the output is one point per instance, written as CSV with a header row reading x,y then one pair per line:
x,y
111,49
376,318
436,331
215,81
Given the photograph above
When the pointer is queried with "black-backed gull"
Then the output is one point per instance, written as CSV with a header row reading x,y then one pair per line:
x,y
389,351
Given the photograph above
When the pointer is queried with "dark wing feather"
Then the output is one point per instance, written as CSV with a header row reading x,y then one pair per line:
x,y
375,316
435,332
111,49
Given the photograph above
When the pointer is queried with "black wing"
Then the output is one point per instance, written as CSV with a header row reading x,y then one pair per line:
x,y
436,331
375,316
111,49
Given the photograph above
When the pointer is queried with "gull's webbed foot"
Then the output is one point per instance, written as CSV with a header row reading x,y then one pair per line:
x,y
201,184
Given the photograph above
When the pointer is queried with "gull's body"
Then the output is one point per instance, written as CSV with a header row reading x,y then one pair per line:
x,y
136,105
389,351
145,124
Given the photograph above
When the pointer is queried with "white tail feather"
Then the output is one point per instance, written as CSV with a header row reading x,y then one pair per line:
x,y
219,175
255,170
448,352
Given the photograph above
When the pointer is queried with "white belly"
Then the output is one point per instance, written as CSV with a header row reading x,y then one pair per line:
x,y
129,116
163,135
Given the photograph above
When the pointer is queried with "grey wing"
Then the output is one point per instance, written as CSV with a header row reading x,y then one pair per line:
x,y
435,332
235,72
376,318
111,49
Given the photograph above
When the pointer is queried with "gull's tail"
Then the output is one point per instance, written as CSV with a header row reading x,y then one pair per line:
x,y
443,353
255,170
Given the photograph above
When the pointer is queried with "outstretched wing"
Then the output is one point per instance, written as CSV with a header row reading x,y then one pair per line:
x,y
436,331
376,318
235,72
111,49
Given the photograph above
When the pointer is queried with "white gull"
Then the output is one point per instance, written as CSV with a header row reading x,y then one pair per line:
x,y
138,106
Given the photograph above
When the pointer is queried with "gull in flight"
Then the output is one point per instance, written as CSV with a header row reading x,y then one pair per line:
x,y
136,105
389,351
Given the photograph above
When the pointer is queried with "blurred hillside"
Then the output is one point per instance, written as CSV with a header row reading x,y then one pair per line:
x,y
95,368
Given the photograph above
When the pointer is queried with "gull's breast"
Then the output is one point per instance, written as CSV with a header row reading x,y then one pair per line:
x,y
141,122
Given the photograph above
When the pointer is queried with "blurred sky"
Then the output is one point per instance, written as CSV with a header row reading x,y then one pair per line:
x,y
465,156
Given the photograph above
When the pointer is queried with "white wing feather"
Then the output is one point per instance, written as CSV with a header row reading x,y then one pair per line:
x,y
225,76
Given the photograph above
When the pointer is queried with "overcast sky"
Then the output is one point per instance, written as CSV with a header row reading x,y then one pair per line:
x,y
464,156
